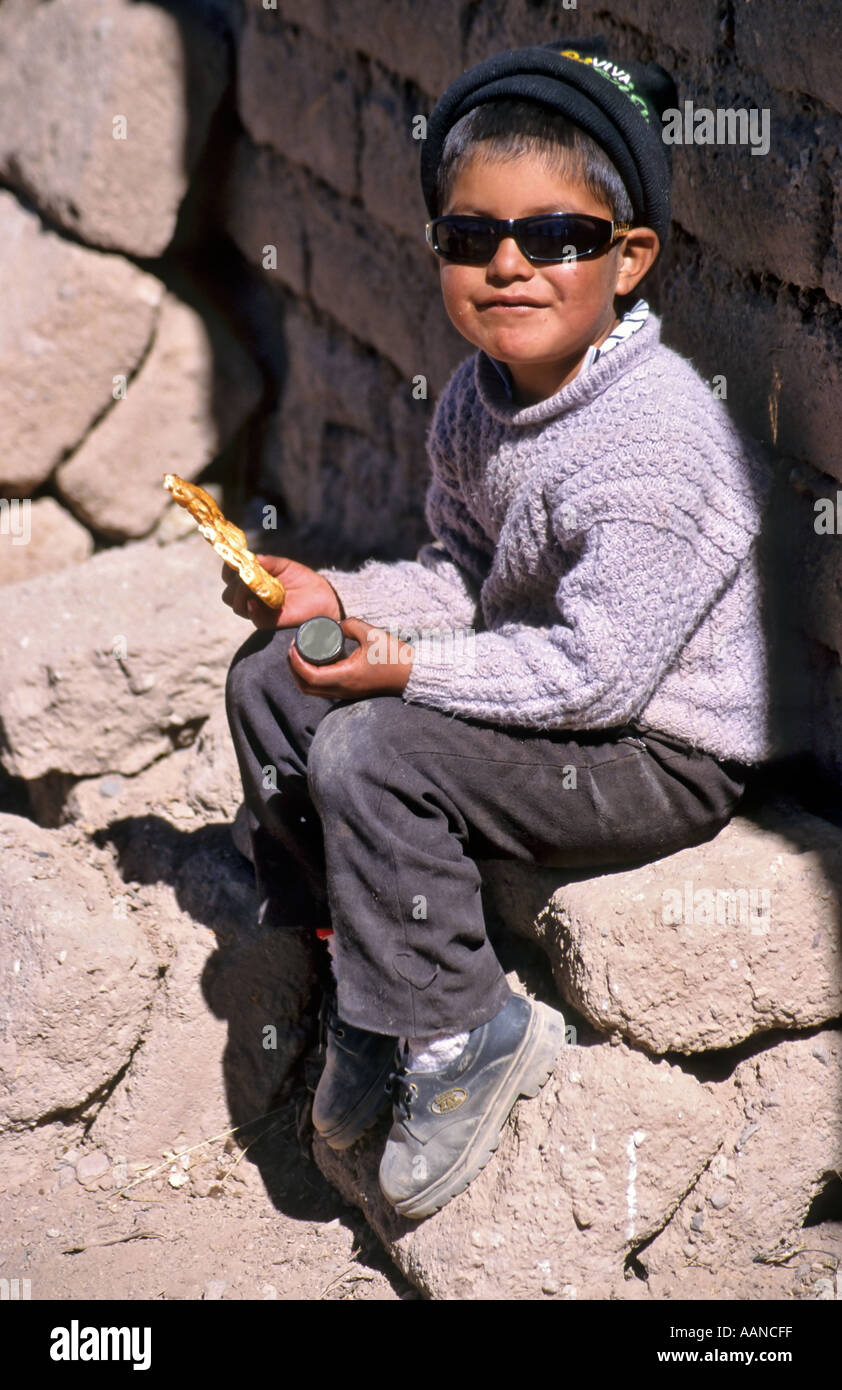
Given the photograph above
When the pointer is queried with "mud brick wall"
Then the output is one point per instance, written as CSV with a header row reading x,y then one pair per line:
x,y
215,205
257,247
749,286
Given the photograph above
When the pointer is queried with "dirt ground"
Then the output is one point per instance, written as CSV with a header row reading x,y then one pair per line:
x,y
233,1230
219,1234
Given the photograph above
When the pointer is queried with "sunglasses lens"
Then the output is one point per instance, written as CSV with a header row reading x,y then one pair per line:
x,y
557,237
566,237
468,240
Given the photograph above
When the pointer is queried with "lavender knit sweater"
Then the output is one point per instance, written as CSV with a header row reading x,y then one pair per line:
x,y
602,544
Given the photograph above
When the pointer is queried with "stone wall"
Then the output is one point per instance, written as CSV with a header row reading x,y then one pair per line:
x,y
215,263
749,285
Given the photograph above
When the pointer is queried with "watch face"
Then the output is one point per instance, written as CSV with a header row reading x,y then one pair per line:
x,y
320,640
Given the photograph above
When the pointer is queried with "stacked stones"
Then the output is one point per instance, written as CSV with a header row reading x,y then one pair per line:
x,y
107,379
692,1125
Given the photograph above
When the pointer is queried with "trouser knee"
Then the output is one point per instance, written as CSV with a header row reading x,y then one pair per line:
x,y
257,667
353,746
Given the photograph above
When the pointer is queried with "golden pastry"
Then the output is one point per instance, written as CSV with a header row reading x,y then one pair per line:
x,y
228,540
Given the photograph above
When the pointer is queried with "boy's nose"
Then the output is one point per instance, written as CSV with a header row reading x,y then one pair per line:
x,y
508,259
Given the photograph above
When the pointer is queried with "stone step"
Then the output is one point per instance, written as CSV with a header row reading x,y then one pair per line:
x,y
698,950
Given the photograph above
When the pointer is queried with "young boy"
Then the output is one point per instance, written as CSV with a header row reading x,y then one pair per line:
x,y
594,513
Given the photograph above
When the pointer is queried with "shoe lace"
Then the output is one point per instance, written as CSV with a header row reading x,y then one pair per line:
x,y
400,1087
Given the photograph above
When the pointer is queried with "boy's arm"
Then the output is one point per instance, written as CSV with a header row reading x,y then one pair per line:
x,y
626,608
431,591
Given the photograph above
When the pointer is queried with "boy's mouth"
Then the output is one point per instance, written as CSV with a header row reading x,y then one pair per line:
x,y
514,303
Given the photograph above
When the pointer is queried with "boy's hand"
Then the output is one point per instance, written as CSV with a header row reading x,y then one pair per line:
x,y
308,595
380,666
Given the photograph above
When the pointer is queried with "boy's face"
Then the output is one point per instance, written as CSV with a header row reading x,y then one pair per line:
x,y
558,310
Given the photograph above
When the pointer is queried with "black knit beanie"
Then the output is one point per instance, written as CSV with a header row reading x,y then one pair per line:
x,y
616,101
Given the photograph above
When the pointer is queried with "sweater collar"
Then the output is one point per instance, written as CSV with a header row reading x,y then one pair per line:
x,y
584,387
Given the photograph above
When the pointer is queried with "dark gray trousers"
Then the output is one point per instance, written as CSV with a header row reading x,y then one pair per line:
x,y
368,816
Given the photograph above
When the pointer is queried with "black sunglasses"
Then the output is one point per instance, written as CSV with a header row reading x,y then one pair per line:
x,y
549,238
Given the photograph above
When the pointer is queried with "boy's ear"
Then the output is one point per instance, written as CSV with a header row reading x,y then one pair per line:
x,y
639,251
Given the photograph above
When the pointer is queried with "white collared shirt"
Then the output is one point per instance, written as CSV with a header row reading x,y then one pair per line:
x,y
632,319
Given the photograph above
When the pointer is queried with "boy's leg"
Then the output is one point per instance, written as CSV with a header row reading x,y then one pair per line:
x,y
409,797
406,795
272,726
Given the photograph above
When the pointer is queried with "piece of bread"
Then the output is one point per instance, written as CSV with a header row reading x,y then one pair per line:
x,y
228,540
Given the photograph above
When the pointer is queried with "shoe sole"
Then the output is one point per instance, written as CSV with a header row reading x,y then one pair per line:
x,y
364,1115
531,1067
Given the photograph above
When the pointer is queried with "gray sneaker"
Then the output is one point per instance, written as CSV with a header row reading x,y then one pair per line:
x,y
448,1123
354,1086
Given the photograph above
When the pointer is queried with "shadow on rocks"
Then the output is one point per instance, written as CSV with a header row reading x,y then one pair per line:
x,y
267,986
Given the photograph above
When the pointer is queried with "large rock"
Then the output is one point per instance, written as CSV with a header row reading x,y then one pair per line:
x,y
69,72
72,320
719,319
695,29
584,1173
235,1010
120,665
832,274
383,289
815,519
192,393
389,182
703,948
231,1020
195,786
40,537
783,1149
78,978
260,203
212,785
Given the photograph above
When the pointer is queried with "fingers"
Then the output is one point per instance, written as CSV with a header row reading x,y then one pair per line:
x,y
273,564
355,627
232,582
238,597
326,692
315,680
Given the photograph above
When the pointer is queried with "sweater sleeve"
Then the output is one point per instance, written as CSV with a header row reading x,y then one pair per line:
x,y
625,609
432,591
